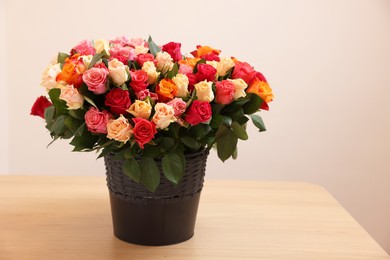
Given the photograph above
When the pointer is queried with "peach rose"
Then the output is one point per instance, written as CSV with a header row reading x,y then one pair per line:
x,y
119,129
164,61
49,76
204,91
164,115
239,88
151,70
101,45
181,81
118,72
72,97
141,109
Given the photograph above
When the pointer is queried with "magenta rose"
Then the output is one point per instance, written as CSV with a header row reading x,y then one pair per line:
x,y
224,92
211,57
179,106
198,112
205,72
173,48
96,121
244,71
84,48
143,94
122,53
118,100
38,109
139,80
96,79
143,131
144,57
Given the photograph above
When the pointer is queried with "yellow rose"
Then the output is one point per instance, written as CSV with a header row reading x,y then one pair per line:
x,y
141,109
119,129
204,91
224,65
239,88
151,70
181,81
101,45
73,99
164,115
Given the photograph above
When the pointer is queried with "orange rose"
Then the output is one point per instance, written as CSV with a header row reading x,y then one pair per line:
x,y
72,71
189,61
262,89
166,90
204,50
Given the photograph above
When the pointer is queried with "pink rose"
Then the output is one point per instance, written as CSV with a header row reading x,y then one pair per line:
x,y
144,57
143,94
173,48
84,48
179,106
143,131
185,69
121,41
134,42
139,80
224,92
96,79
96,121
198,112
118,100
244,71
122,53
205,72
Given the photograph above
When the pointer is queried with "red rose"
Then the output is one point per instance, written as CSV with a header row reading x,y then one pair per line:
x,y
139,80
144,57
224,92
244,71
211,57
38,109
118,100
143,131
205,72
173,48
198,112
192,81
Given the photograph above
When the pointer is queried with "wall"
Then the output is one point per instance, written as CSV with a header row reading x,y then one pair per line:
x,y
327,61
4,134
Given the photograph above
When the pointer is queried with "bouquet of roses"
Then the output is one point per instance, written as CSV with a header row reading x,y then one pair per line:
x,y
141,101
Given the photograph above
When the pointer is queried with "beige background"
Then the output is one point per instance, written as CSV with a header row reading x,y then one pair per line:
x,y
327,61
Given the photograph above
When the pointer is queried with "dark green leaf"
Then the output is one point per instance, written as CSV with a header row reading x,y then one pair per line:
x,y
172,167
62,57
173,72
154,49
95,59
150,174
84,142
235,154
168,143
198,131
132,169
190,142
59,104
258,122
72,123
78,114
152,151
253,105
80,130
216,121
226,145
49,116
196,65
227,120
242,120
239,131
59,126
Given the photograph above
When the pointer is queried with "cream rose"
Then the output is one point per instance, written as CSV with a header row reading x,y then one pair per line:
x,y
164,115
87,60
213,63
141,109
119,129
151,70
72,97
164,61
49,76
118,72
204,91
239,88
224,65
101,45
181,81
141,49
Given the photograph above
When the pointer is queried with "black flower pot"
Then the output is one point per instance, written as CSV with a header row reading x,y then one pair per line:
x,y
164,217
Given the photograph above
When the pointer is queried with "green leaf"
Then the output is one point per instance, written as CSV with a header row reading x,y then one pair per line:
x,y
258,122
196,65
84,142
226,145
62,57
242,120
72,124
90,101
216,121
80,130
152,151
59,127
95,59
227,120
172,167
153,47
253,105
150,174
59,104
168,143
49,116
132,169
239,131
199,131
173,72
78,113
190,142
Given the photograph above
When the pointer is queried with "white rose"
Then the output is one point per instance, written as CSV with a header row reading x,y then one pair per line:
x,y
164,61
118,72
151,70
181,81
239,88
224,65
101,45
204,91
213,63
49,76
140,49
87,60
164,115
72,97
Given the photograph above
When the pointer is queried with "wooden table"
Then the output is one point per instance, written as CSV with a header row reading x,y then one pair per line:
x,y
69,218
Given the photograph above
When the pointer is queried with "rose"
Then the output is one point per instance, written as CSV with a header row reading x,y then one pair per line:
x,y
198,112
140,50
262,89
224,92
118,100
185,69
211,57
189,61
96,121
244,71
144,57
150,69
84,48
164,115
96,79
121,41
101,45
143,94
72,97
134,42
205,72
87,60
179,106
204,91
118,71
141,109
38,109
181,81
166,90
143,131
139,80
49,76
212,63
119,129
239,88
72,71
224,65
201,51
173,48
164,61
122,53
191,81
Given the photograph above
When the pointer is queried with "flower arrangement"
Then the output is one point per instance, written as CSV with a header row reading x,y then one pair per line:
x,y
142,101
